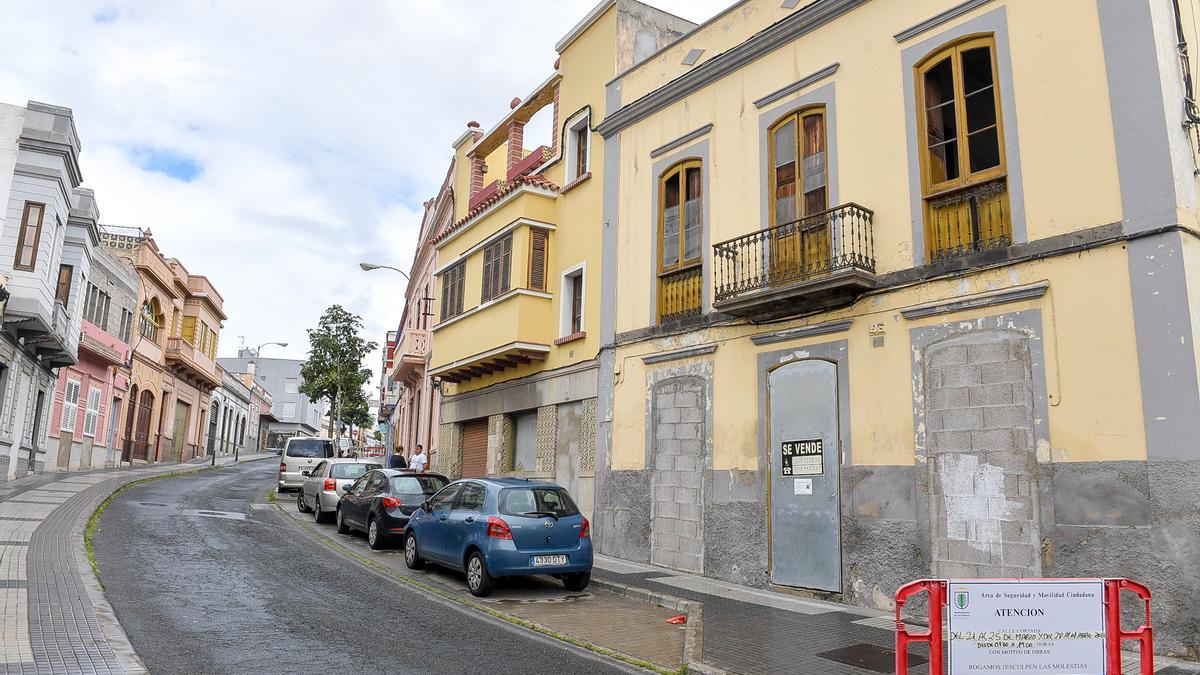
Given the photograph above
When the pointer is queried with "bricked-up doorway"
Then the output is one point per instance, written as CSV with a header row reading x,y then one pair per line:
x,y
982,462
474,448
677,507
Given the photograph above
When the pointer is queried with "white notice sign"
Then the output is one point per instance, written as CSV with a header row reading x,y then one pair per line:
x,y
802,486
1045,627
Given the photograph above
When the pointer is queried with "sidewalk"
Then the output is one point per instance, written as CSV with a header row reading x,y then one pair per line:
x,y
53,616
748,630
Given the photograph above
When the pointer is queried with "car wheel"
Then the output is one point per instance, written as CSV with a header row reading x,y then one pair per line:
x,y
375,539
342,527
412,558
318,514
576,582
479,582
300,502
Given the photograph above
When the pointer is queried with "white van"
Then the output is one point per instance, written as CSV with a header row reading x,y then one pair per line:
x,y
301,454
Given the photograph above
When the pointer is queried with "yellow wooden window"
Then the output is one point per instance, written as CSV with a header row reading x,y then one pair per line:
x,y
680,239
799,193
963,165
189,329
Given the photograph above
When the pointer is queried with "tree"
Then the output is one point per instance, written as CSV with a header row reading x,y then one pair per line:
x,y
334,368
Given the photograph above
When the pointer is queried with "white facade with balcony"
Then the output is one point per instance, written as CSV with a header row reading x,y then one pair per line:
x,y
48,231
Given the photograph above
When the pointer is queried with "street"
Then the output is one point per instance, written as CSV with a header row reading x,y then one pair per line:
x,y
204,582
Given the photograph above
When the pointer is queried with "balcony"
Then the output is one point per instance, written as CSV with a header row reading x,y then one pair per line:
x,y
968,220
411,355
44,332
817,262
512,330
189,365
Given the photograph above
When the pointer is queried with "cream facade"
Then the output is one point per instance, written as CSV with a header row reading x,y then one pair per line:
x,y
174,369
516,327
902,290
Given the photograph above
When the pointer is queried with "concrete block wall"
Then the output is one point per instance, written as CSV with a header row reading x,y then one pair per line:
x,y
679,431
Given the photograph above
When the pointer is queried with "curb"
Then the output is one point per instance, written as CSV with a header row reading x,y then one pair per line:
x,y
693,640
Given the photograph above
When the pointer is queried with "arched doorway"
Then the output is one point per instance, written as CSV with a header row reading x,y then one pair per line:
x,y
141,435
130,415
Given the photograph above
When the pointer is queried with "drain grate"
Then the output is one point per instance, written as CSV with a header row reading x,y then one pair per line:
x,y
869,657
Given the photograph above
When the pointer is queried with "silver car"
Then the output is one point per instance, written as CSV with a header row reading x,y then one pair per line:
x,y
300,454
326,483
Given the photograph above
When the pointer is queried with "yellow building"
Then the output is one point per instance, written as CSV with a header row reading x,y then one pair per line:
x,y
515,338
174,367
898,290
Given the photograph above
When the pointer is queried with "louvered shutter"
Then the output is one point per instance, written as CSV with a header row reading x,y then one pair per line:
x,y
488,264
537,261
505,263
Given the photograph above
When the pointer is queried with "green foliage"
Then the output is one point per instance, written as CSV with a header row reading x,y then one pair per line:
x,y
334,369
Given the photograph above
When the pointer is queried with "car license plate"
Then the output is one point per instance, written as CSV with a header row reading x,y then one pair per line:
x,y
549,560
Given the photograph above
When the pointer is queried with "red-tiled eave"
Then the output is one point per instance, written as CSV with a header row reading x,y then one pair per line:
x,y
535,180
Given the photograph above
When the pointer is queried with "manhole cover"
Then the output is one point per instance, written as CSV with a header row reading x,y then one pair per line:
x,y
869,657
152,504
227,515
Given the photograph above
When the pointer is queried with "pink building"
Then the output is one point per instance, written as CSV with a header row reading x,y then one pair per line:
x,y
88,396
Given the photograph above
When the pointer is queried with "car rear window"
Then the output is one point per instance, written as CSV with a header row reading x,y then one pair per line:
x,y
417,485
310,447
534,502
351,470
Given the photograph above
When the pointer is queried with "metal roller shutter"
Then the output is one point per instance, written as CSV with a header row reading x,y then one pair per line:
x,y
474,448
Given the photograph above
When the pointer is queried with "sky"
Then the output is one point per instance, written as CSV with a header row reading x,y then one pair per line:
x,y
273,145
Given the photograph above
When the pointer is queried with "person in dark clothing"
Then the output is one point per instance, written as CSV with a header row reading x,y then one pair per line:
x,y
397,461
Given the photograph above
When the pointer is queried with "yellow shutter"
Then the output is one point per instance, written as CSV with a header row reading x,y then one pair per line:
x,y
189,329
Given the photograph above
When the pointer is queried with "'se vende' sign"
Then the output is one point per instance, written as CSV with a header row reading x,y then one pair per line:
x,y
1038,627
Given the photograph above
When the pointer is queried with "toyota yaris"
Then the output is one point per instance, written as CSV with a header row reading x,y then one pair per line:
x,y
500,527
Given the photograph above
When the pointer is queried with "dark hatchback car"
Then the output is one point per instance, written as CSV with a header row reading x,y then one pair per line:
x,y
380,503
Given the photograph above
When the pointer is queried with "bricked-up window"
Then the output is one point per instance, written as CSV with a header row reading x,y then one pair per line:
x,y
963,174
497,264
452,291
29,236
62,292
537,260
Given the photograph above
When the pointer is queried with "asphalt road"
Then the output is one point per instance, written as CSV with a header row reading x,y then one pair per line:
x,y
240,590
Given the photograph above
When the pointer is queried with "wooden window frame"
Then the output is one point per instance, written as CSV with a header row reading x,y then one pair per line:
x,y
37,237
535,236
679,169
575,317
797,116
453,283
497,269
62,290
953,51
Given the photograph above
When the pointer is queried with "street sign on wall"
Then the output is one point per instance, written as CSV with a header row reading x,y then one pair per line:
x,y
1049,627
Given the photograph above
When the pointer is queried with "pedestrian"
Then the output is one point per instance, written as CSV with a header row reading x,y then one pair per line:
x,y
397,461
419,461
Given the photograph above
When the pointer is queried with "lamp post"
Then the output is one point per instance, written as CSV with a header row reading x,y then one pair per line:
x,y
367,267
258,349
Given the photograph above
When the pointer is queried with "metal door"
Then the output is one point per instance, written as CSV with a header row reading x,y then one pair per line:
x,y
805,450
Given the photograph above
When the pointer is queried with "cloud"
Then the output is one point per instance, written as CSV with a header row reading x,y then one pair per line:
x,y
272,145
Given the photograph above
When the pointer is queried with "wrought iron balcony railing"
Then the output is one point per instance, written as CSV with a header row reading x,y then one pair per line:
x,y
808,249
971,219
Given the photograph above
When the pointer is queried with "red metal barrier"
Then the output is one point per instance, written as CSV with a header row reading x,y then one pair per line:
x,y
1114,634
932,636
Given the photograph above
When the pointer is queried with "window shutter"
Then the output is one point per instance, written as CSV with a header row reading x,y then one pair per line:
x,y
488,264
537,261
505,265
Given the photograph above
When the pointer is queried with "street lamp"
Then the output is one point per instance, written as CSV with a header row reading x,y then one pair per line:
x,y
258,350
367,267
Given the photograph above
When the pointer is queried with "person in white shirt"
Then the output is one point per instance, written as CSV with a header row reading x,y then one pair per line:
x,y
419,460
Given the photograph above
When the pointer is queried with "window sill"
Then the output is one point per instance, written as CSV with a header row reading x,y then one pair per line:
x,y
570,186
571,338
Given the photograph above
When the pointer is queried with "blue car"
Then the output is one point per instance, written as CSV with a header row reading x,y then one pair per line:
x,y
501,527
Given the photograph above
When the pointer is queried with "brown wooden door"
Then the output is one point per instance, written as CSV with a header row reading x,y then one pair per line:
x,y
474,449
141,436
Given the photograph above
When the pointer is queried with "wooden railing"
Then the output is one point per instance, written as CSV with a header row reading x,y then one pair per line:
x,y
803,250
680,293
975,218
